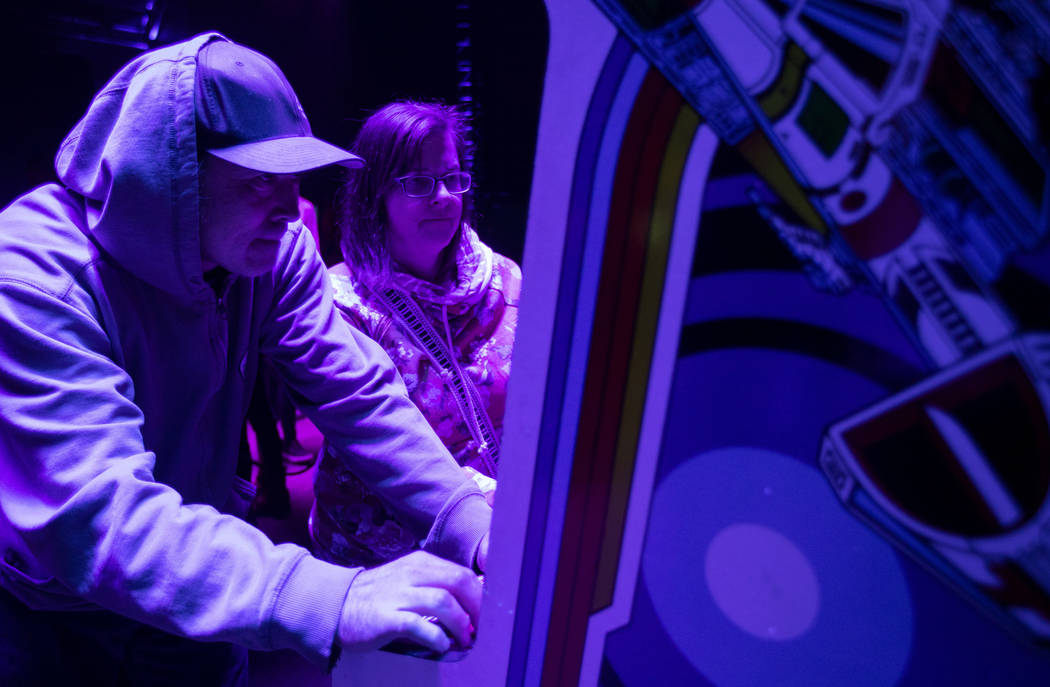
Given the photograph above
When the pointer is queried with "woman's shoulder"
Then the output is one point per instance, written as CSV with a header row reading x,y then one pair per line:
x,y
506,277
340,270
353,299
345,291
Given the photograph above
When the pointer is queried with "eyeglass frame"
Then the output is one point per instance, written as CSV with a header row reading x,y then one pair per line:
x,y
434,182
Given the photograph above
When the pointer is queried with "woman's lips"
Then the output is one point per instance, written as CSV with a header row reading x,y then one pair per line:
x,y
443,222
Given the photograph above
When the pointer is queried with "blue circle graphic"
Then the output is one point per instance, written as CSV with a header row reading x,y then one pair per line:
x,y
831,594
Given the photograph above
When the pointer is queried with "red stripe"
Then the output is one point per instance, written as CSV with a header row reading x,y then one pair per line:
x,y
634,188
622,319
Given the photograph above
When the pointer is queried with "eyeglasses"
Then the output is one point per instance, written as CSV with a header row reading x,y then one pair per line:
x,y
422,185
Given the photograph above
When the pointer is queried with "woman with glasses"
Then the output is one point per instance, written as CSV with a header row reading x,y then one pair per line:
x,y
418,280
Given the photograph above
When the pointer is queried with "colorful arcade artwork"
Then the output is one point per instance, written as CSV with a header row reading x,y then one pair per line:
x,y
781,396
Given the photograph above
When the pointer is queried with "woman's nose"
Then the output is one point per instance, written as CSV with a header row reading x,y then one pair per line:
x,y
440,194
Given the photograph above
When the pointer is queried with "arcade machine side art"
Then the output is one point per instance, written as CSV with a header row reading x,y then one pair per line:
x,y
765,364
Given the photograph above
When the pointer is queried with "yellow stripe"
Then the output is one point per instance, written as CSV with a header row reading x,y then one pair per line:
x,y
781,96
759,152
654,273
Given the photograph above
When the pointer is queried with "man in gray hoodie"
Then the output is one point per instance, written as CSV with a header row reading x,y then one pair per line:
x,y
136,300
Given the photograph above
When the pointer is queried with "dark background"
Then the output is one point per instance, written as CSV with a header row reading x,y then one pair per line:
x,y
344,59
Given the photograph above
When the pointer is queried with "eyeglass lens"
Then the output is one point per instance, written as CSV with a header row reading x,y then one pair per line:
x,y
421,185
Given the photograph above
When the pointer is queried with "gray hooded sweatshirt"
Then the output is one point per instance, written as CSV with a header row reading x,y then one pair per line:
x,y
125,377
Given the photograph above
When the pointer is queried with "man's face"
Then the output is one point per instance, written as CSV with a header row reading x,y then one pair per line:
x,y
243,215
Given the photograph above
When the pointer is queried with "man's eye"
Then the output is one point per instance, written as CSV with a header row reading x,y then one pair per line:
x,y
263,183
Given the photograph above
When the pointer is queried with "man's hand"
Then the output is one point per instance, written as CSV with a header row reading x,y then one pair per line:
x,y
390,602
483,553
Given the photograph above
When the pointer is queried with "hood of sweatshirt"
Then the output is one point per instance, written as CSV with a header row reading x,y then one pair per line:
x,y
133,157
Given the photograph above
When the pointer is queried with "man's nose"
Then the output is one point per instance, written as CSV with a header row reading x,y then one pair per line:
x,y
287,199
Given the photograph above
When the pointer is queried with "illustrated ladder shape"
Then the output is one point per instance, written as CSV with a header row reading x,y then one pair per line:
x,y
944,309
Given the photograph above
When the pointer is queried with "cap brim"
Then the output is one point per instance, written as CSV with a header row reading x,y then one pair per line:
x,y
289,155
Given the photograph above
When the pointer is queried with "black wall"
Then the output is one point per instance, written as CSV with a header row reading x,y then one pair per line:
x,y
344,59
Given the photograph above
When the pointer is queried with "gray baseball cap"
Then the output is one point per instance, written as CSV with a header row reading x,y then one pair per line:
x,y
248,114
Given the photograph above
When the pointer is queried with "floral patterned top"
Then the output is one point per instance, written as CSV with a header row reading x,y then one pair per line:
x,y
476,312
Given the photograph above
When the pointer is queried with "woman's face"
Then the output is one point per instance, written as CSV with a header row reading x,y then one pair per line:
x,y
419,229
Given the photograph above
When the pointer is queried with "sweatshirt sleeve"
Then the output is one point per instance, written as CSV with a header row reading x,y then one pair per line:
x,y
83,516
348,386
